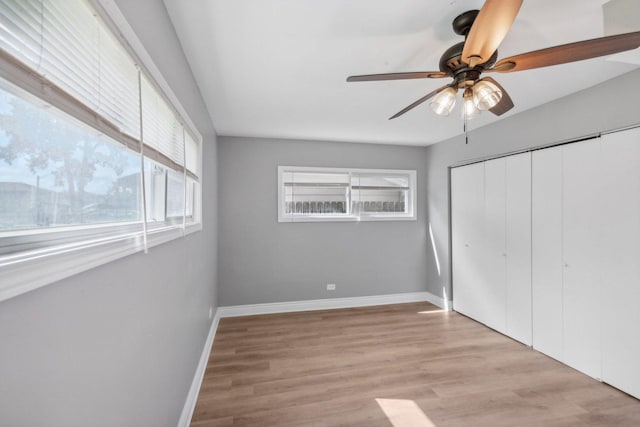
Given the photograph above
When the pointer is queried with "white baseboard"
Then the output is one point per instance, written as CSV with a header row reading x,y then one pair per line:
x,y
192,397
440,302
333,303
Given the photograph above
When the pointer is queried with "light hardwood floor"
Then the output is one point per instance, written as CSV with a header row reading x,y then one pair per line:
x,y
394,365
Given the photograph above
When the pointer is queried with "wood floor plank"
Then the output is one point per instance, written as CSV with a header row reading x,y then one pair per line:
x,y
365,366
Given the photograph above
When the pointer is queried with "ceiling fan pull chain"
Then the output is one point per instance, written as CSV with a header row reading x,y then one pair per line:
x,y
464,128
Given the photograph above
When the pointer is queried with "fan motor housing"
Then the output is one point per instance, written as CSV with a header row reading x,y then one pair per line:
x,y
463,22
451,62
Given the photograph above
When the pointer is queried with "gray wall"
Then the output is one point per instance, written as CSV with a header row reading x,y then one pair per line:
x,y
610,105
118,345
262,261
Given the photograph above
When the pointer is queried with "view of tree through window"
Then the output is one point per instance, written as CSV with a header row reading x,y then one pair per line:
x,y
56,172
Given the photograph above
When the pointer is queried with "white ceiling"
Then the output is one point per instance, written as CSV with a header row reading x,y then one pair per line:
x,y
277,68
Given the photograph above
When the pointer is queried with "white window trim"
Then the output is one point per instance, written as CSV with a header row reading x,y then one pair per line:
x,y
413,207
34,269
26,275
112,15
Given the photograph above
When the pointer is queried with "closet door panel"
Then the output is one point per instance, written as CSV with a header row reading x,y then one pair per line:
x,y
621,256
518,246
467,210
581,231
546,256
494,292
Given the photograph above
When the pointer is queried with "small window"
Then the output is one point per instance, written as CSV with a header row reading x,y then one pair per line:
x,y
338,194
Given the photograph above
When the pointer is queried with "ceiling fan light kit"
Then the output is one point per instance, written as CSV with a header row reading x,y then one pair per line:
x,y
486,95
465,62
469,107
444,101
483,95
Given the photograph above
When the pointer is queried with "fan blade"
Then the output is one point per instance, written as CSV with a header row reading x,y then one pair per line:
x,y
419,101
571,52
505,104
488,30
398,76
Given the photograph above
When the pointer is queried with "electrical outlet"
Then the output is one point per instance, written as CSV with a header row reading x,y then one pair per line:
x,y
331,286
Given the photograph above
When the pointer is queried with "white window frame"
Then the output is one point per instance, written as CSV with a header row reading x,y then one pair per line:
x,y
40,263
411,215
121,28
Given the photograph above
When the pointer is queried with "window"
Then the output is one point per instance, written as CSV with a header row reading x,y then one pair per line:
x,y
95,155
337,194
56,172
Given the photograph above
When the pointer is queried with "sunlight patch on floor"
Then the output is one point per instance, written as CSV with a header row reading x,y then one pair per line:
x,y
432,311
404,413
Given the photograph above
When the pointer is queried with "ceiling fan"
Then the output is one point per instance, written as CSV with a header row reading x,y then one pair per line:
x,y
466,62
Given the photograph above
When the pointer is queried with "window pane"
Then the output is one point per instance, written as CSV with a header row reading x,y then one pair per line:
x,y
380,194
155,183
191,197
310,193
57,172
164,191
175,194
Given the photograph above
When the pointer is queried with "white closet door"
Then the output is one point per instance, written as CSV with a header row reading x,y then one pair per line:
x,y
518,247
493,276
621,256
546,256
467,204
581,231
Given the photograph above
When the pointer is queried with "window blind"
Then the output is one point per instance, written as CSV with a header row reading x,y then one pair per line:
x,y
162,130
119,99
191,152
70,55
21,30
82,56
68,45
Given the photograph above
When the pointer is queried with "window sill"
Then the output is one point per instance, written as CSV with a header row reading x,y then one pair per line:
x,y
363,218
34,272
